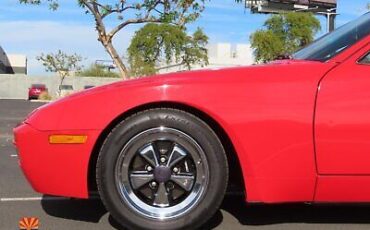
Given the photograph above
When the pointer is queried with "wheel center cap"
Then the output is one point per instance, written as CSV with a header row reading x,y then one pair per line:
x,y
162,174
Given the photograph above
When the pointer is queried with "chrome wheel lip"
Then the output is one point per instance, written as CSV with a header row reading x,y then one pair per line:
x,y
127,193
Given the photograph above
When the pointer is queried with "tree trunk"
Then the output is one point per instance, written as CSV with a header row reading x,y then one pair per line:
x,y
106,40
116,58
62,77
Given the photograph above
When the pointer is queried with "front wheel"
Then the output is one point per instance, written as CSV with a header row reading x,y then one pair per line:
x,y
162,169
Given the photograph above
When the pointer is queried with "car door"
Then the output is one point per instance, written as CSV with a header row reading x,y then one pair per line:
x,y
342,119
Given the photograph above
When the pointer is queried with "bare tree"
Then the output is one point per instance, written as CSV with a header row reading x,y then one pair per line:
x,y
61,63
177,12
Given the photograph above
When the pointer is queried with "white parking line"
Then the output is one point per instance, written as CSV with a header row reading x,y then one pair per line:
x,y
20,199
16,199
14,155
7,137
40,101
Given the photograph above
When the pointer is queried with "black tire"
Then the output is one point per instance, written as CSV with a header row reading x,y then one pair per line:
x,y
213,193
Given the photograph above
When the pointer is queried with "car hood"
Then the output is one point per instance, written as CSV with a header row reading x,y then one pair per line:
x,y
200,75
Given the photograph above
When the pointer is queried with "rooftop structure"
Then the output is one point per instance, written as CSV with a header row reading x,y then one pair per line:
x,y
278,6
323,7
12,63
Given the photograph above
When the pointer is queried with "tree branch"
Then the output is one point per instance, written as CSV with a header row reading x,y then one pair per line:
x,y
144,19
119,10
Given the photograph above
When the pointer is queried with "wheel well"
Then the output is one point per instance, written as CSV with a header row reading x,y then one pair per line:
x,y
236,182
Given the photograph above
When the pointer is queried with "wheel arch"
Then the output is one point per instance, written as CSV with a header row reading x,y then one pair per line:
x,y
236,182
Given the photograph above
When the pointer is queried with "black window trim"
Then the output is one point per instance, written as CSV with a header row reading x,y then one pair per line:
x,y
359,61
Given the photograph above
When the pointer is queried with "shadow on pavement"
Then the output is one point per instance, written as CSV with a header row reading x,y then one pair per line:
x,y
74,209
262,214
254,215
214,222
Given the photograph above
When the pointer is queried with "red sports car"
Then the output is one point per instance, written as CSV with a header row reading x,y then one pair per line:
x,y
35,90
161,150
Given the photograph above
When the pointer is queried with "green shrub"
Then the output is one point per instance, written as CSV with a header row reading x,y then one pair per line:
x,y
45,96
97,71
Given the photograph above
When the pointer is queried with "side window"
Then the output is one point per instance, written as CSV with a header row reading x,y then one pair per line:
x,y
365,60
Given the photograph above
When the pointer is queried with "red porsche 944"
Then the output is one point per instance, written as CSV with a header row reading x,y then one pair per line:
x,y
162,150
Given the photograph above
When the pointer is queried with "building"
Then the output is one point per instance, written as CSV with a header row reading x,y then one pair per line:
x,y
12,63
328,8
226,55
220,55
279,6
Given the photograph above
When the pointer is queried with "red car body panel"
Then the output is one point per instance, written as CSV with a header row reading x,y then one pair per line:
x,y
343,189
267,111
343,140
52,165
342,127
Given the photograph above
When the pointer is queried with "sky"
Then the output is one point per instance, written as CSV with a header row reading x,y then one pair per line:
x,y
32,30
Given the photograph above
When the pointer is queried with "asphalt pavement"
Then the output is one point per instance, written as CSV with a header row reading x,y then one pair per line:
x,y
17,199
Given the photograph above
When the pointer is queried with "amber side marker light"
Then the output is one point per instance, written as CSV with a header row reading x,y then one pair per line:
x,y
67,139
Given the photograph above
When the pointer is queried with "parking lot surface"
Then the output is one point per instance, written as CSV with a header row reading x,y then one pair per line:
x,y
18,200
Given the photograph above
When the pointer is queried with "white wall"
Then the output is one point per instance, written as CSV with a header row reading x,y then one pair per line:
x,y
16,86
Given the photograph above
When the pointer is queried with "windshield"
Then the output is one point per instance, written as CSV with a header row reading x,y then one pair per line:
x,y
66,87
38,86
337,41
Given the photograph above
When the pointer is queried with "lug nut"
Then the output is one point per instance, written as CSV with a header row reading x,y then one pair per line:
x,y
170,185
149,168
154,184
163,159
175,170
